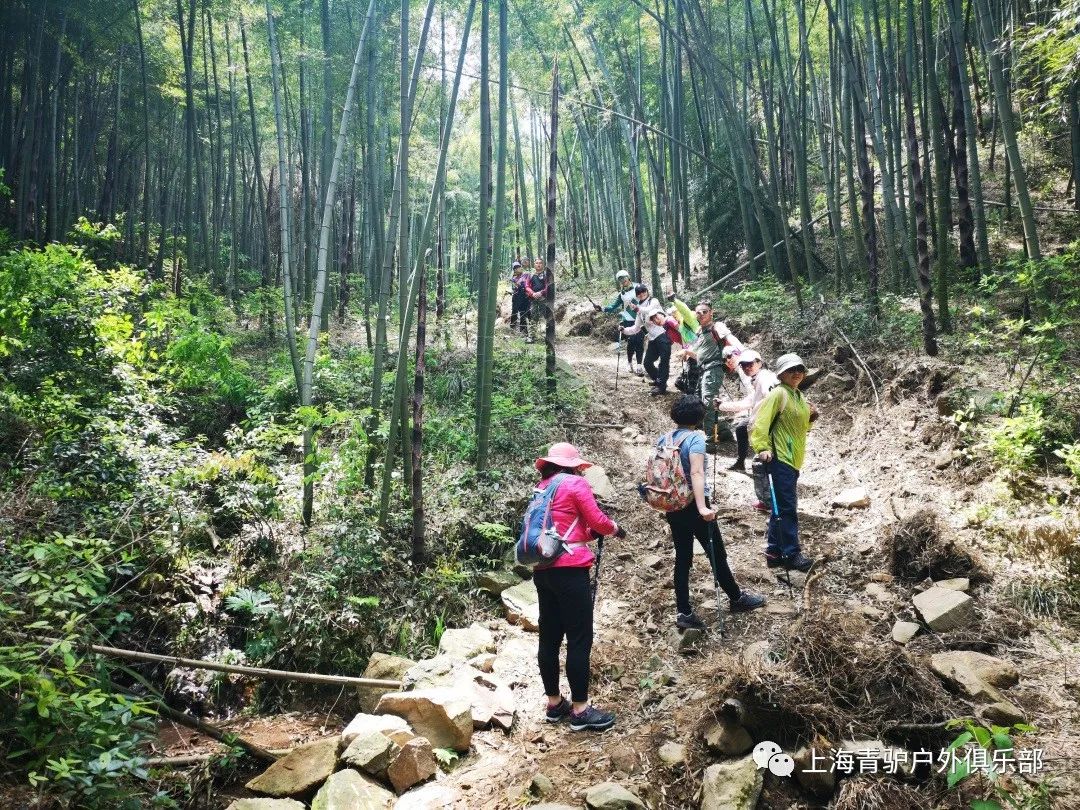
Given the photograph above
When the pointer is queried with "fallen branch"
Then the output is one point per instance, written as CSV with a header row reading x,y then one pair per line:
x,y
592,424
235,669
214,732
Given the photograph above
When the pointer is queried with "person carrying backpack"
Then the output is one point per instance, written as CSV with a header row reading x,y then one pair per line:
x,y
519,299
778,438
625,303
536,289
696,518
563,589
661,329
707,349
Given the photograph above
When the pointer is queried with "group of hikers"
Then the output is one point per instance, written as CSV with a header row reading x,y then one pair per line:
x,y
769,420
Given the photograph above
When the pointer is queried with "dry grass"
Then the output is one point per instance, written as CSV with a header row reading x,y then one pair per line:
x,y
918,548
877,793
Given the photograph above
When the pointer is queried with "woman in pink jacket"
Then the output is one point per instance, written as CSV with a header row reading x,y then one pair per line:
x,y
565,598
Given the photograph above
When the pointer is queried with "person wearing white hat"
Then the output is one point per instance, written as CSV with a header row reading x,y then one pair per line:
x,y
653,318
779,439
758,381
563,591
625,303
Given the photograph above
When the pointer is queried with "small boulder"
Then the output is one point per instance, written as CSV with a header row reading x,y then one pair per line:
x,y
351,790
814,771
522,605
414,763
266,804
759,654
877,591
854,498
732,785
430,796
728,739
688,639
673,754
872,613
466,642
975,674
541,786
954,584
484,662
444,716
495,582
393,727
300,771
944,458
943,609
371,752
624,759
652,561
903,632
611,796
382,667
600,483
1001,713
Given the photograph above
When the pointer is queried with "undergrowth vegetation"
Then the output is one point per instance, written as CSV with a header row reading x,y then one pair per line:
x,y
150,473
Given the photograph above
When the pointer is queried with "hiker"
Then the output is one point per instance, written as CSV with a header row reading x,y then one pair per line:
x,y
625,303
662,329
778,437
698,519
536,289
758,382
519,299
707,349
563,590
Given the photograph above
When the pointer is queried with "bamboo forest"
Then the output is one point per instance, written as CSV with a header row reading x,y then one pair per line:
x,y
494,404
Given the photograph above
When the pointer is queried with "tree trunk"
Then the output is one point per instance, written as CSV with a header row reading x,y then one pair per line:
x,y
553,168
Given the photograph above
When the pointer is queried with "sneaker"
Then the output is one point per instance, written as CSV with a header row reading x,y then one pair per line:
x,y
760,506
558,711
591,719
658,392
639,371
738,466
746,602
686,621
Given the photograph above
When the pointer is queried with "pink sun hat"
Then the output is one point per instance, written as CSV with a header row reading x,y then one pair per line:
x,y
563,454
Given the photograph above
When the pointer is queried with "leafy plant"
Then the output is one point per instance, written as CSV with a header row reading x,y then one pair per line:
x,y
253,603
990,739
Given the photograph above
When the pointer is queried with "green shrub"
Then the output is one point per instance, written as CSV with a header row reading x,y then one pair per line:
x,y
64,723
1015,442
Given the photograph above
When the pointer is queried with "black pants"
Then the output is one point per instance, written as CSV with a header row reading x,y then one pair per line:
x,y
566,610
659,349
686,524
742,438
519,312
635,347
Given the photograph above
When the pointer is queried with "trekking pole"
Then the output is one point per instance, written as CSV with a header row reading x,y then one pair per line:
x,y
596,570
786,579
618,358
714,530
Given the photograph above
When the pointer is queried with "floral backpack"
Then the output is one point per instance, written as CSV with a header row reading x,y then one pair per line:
x,y
666,487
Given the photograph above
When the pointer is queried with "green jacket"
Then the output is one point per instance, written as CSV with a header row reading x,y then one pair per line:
x,y
792,425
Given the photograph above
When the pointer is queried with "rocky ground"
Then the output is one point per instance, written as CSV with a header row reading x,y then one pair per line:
x,y
902,625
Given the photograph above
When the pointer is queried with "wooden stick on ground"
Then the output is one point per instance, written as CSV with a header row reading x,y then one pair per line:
x,y
236,669
216,733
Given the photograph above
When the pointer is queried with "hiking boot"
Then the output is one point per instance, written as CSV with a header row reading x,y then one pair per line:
x,y
592,719
746,602
738,466
796,562
658,392
686,621
558,711
760,506
800,562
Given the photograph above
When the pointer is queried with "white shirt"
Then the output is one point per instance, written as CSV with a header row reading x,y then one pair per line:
x,y
653,330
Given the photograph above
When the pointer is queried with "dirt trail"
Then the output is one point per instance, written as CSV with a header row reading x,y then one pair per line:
x,y
660,695
637,671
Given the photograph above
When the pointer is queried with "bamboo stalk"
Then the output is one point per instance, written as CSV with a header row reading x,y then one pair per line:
x,y
235,669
